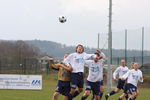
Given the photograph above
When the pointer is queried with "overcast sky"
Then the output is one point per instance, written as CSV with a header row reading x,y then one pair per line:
x,y
38,19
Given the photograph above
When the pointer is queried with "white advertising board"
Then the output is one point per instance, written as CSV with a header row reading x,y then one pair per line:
x,y
31,82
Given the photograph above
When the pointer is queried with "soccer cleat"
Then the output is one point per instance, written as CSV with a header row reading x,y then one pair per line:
x,y
106,97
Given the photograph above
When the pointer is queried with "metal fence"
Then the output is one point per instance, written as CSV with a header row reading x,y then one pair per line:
x,y
23,66
34,66
116,60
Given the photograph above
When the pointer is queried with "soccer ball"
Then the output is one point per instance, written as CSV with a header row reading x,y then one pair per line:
x,y
62,19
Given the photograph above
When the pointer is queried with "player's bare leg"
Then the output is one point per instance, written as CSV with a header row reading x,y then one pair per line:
x,y
74,92
137,93
102,91
86,94
77,92
65,97
97,97
122,96
55,95
133,95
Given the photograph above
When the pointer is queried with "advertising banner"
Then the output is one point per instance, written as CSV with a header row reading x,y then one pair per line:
x,y
31,82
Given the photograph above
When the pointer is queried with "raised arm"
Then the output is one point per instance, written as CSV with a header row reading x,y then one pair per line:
x,y
68,68
55,66
103,55
68,60
87,56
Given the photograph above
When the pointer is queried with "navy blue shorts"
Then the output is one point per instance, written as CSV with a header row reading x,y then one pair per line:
x,y
121,84
63,87
129,89
101,83
77,80
94,86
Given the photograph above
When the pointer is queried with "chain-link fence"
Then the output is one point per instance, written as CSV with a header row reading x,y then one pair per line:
x,y
24,66
35,65
116,60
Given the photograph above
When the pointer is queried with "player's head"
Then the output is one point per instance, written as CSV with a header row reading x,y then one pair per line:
x,y
96,59
132,65
136,65
123,62
66,55
79,48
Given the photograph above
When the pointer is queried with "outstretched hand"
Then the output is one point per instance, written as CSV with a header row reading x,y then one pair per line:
x,y
98,51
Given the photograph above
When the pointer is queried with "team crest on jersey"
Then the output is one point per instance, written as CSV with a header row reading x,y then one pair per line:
x,y
95,69
134,76
79,60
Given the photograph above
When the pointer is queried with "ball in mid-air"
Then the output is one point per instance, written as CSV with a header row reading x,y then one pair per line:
x,y
62,19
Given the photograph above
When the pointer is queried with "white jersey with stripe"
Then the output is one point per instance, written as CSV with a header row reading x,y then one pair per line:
x,y
121,70
133,76
77,61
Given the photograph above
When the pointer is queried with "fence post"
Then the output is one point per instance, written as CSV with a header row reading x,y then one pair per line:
x,y
0,64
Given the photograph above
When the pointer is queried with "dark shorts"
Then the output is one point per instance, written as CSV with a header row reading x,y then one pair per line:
x,y
129,89
77,80
101,83
63,87
121,84
94,86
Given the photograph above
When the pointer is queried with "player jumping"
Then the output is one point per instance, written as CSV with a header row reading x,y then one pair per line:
x,y
94,77
77,61
102,60
63,86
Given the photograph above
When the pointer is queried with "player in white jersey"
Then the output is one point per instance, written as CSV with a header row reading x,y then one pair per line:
x,y
94,78
132,76
77,61
132,67
120,71
102,60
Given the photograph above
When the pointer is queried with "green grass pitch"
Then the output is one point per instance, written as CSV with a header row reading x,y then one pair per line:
x,y
49,84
